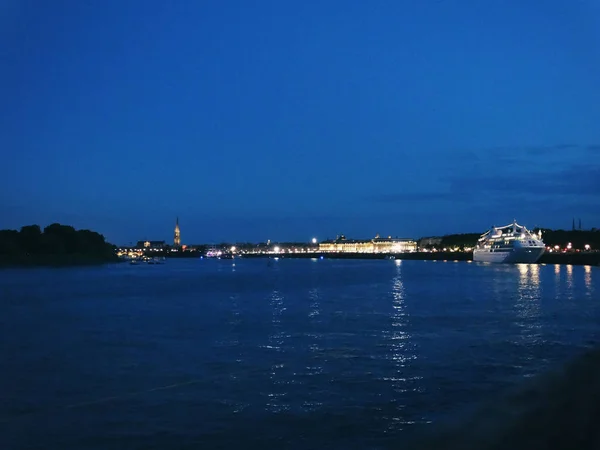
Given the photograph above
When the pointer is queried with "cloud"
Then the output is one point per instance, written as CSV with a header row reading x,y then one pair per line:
x,y
539,150
567,147
545,185
594,147
575,180
413,197
462,155
502,184
524,151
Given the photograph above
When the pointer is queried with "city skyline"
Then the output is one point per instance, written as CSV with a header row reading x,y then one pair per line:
x,y
287,122
177,242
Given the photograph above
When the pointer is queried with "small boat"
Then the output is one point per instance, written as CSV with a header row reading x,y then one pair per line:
x,y
213,252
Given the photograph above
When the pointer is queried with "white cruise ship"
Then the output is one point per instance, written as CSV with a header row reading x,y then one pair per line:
x,y
509,244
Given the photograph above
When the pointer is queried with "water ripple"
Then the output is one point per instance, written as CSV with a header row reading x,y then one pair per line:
x,y
302,354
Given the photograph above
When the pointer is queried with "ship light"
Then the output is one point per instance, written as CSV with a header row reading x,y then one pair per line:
x,y
587,247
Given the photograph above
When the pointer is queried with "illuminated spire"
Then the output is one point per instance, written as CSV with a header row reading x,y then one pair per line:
x,y
177,236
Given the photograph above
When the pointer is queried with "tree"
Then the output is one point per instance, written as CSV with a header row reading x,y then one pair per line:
x,y
30,239
9,242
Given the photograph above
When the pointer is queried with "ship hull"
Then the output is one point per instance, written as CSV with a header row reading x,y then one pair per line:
x,y
515,256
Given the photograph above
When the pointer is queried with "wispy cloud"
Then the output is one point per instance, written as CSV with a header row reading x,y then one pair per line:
x,y
413,197
502,173
575,182
525,151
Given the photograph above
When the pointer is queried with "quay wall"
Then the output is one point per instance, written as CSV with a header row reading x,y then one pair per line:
x,y
581,258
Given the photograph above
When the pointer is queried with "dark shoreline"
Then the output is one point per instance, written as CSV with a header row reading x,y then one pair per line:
x,y
557,409
548,258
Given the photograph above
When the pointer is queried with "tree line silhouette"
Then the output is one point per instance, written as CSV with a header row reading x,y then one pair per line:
x,y
55,240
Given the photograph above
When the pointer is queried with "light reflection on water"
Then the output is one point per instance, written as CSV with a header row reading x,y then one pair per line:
x,y
588,280
401,351
276,401
527,306
557,280
315,367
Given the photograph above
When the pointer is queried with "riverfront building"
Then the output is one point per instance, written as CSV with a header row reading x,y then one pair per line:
x,y
154,245
375,245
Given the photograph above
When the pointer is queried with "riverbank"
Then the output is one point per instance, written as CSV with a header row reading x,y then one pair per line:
x,y
591,258
64,260
554,411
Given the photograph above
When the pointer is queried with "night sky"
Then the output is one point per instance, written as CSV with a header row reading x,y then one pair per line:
x,y
287,120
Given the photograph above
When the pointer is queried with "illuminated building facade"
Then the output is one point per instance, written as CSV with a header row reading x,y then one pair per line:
x,y
375,245
177,236
151,244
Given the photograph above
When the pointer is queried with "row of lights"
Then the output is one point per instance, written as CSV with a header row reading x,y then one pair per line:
x,y
276,249
586,247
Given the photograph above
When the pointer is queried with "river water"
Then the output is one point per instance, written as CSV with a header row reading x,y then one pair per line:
x,y
332,354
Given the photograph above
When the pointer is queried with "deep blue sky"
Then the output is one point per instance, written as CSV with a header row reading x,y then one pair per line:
x,y
286,120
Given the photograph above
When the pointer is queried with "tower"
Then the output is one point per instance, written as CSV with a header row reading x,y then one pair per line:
x,y
177,237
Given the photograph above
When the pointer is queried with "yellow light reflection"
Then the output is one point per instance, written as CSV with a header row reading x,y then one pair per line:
x,y
401,350
527,307
588,278
535,274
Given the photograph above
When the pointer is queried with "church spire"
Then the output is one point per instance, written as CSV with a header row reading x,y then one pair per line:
x,y
177,236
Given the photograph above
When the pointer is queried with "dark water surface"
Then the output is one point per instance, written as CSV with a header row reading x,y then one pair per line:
x,y
297,354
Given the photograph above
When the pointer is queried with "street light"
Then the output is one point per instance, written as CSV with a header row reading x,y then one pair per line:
x,y
314,240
